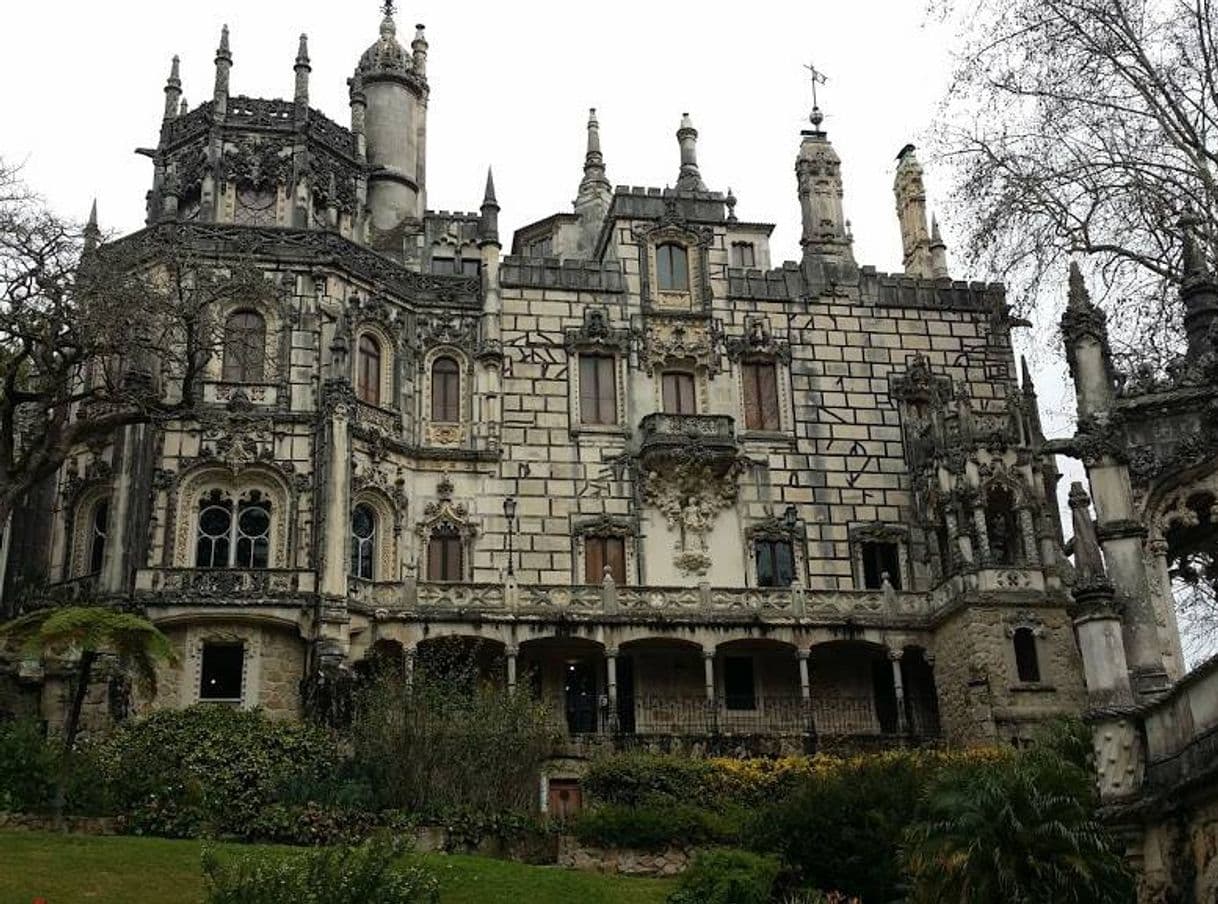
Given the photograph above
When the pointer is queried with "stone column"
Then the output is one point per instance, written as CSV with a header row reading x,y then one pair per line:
x,y
1161,598
983,535
708,664
1027,528
611,685
898,685
510,656
805,681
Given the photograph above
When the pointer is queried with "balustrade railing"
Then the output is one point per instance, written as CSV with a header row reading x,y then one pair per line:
x,y
825,715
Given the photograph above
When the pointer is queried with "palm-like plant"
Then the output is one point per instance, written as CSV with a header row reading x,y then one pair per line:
x,y
90,632
1022,832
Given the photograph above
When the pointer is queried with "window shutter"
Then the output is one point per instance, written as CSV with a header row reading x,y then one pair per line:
x,y
588,412
615,558
752,398
606,390
671,403
768,396
594,559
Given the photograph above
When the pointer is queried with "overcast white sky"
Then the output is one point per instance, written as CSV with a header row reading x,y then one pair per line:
x,y
510,86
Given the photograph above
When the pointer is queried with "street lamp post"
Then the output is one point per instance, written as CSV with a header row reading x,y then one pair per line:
x,y
509,512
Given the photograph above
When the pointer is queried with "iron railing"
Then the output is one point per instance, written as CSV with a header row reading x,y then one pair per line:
x,y
823,715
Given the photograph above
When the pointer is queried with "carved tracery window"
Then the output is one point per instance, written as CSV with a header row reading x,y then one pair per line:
x,y
244,347
229,536
363,541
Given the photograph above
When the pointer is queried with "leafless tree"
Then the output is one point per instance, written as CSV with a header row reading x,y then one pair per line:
x,y
96,336
1085,128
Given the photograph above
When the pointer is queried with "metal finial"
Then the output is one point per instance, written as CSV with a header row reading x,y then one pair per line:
x,y
818,78
388,8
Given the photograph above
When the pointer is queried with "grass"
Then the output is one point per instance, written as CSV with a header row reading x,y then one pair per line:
x,y
67,869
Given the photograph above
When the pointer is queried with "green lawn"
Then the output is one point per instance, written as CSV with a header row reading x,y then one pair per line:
x,y
67,869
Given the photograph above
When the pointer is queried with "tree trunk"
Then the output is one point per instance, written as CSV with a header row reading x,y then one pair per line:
x,y
71,727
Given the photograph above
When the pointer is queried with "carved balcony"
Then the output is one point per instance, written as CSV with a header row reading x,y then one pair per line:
x,y
669,439
224,586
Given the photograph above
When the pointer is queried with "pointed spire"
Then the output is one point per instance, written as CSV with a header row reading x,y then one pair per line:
x,y
302,70
689,179
730,201
418,50
92,233
224,63
1198,291
825,231
1079,296
594,180
488,225
183,108
173,88
1088,560
1025,376
938,251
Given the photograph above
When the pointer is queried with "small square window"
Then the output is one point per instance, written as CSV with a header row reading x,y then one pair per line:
x,y
601,553
744,254
880,559
221,670
775,563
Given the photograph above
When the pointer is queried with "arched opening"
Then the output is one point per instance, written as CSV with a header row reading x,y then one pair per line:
x,y
757,687
368,370
445,391
385,658
568,675
363,541
853,690
460,661
1002,527
921,696
660,686
244,348
98,528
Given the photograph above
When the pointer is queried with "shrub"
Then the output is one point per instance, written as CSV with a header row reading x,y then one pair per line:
x,y
1024,832
177,772
450,742
28,766
335,875
631,778
727,877
653,825
842,828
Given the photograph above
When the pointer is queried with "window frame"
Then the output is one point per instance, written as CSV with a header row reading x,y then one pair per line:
x,y
448,540
234,535
754,396
668,256
770,546
438,405
596,562
1026,651
678,378
1006,512
598,408
363,549
872,559
214,645
98,536
243,358
738,255
368,379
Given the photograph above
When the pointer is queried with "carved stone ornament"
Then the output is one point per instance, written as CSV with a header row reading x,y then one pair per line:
x,y
667,341
445,514
238,440
596,333
446,328
257,164
690,499
375,309
1100,437
603,526
758,341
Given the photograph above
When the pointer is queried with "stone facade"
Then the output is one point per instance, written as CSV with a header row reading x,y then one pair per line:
x,y
680,491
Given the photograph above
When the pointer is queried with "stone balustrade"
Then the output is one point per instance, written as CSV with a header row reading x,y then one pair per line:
x,y
231,586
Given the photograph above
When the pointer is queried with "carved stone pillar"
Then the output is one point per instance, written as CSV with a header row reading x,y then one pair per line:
x,y
982,533
510,655
805,682
898,686
708,665
1027,529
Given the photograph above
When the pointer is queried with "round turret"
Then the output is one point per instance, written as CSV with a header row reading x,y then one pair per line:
x,y
395,90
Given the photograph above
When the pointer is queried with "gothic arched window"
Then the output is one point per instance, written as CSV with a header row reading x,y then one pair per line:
x,y
1002,527
97,535
228,539
368,370
363,541
672,267
445,391
244,348
1027,661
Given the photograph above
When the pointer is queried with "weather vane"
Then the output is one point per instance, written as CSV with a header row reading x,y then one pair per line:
x,y
388,7
818,78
